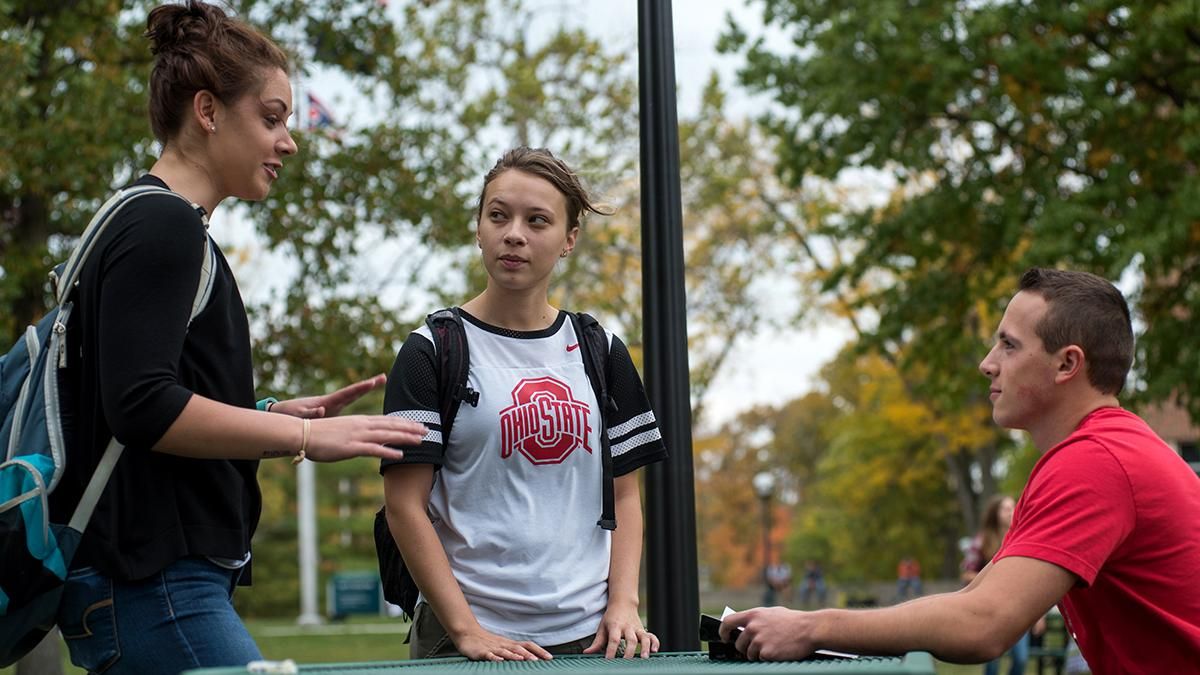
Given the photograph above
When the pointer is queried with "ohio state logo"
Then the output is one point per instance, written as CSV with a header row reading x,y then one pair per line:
x,y
545,423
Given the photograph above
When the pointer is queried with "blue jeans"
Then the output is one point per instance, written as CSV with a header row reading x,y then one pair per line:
x,y
1019,656
906,586
175,620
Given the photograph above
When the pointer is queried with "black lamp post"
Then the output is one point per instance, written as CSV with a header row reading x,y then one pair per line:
x,y
672,579
764,487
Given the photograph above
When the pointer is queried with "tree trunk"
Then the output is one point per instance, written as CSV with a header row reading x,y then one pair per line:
x,y
959,466
29,235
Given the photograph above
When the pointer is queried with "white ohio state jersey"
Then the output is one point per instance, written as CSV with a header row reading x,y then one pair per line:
x,y
518,493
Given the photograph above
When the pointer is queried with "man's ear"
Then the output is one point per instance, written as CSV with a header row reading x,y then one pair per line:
x,y
1072,362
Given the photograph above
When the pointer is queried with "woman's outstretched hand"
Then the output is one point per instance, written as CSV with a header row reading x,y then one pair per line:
x,y
332,438
328,405
336,438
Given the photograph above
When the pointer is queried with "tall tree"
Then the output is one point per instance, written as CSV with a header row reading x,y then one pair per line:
x,y
862,476
73,123
1014,134
728,517
881,488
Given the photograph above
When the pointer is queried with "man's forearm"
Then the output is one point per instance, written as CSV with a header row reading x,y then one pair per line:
x,y
931,623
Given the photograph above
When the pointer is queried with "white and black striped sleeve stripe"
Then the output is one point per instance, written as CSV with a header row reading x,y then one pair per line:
x,y
412,393
633,433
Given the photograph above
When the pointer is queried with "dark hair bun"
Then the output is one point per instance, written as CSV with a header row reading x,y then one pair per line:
x,y
184,27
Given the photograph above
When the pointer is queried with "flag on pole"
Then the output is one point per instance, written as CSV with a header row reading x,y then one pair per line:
x,y
318,115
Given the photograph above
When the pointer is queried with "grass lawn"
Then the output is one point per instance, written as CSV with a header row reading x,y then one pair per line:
x,y
374,639
356,639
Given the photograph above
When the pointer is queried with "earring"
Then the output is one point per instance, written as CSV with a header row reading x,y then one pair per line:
x,y
212,128
564,253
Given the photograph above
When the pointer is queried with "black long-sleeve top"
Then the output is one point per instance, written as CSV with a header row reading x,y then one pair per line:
x,y
132,367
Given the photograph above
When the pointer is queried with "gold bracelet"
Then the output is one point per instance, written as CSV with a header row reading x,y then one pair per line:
x,y
303,442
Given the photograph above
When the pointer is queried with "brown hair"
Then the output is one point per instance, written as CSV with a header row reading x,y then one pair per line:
x,y
990,535
1088,311
542,163
198,47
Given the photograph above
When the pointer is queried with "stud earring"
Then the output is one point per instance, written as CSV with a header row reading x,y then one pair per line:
x,y
212,128
563,254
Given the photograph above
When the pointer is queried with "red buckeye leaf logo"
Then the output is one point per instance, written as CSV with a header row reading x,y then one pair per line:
x,y
545,423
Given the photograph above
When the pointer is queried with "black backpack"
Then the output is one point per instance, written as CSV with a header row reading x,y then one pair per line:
x,y
453,362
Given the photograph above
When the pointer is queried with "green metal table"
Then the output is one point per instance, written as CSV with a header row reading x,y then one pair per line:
x,y
678,663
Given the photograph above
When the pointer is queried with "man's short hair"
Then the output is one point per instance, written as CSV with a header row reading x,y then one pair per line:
x,y
1088,311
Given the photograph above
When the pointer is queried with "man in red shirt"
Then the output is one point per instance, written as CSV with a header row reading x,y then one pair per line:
x,y
1108,526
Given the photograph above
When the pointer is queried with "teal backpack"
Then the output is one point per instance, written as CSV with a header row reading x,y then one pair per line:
x,y
36,552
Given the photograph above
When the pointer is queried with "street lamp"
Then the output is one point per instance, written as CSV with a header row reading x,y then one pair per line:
x,y
764,486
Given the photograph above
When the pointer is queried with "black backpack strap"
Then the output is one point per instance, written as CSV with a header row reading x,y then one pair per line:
x,y
454,362
594,348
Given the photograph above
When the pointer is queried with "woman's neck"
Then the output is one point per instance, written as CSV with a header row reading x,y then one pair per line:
x,y
512,310
187,177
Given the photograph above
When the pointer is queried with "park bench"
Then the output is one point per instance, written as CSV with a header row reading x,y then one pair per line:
x,y
1049,650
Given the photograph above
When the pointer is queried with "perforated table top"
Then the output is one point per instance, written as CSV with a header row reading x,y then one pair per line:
x,y
679,663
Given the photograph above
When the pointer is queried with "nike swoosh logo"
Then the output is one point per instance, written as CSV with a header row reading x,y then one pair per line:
x,y
573,347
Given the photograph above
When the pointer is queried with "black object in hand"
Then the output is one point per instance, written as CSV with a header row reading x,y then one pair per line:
x,y
718,650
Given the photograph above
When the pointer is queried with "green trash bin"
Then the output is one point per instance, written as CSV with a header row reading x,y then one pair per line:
x,y
349,593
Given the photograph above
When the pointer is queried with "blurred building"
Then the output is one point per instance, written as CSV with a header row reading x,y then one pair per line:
x,y
1176,427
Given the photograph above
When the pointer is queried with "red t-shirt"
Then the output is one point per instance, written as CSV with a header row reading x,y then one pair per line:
x,y
1116,506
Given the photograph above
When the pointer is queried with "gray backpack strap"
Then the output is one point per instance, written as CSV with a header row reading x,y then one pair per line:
x,y
208,266
65,280
95,487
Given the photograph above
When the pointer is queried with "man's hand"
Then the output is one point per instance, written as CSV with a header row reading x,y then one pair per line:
x,y
771,633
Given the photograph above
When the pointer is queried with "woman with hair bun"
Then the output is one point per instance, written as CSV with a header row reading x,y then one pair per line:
x,y
150,589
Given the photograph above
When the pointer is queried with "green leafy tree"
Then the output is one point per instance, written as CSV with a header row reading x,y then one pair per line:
x,y
863,477
1023,133
881,488
74,124
1014,134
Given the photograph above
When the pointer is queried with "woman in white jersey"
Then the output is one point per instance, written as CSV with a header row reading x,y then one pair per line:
x,y
498,522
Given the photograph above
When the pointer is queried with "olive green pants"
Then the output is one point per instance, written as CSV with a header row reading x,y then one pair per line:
x,y
429,640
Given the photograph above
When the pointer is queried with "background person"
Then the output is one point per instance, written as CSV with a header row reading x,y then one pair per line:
x,y
908,578
504,543
151,586
1113,550
997,518
779,580
814,584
